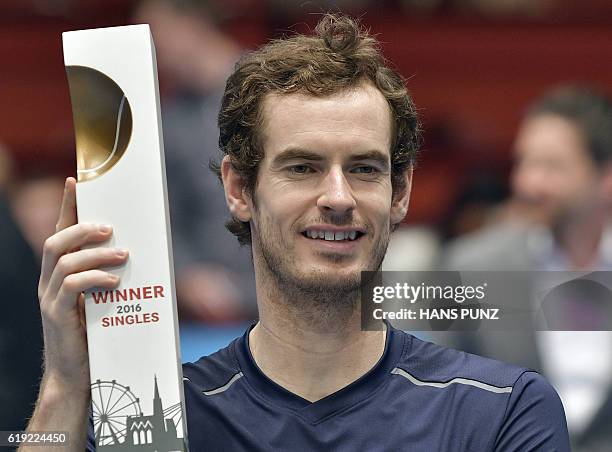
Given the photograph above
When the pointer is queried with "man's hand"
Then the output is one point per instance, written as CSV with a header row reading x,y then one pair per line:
x,y
67,271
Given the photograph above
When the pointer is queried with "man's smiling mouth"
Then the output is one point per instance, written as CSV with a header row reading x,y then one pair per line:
x,y
332,235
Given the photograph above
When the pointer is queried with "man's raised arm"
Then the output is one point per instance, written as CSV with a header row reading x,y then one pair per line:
x,y
67,271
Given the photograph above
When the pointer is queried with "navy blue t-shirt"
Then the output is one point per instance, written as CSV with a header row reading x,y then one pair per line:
x,y
418,397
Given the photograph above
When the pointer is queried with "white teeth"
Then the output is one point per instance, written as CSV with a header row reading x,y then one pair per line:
x,y
331,235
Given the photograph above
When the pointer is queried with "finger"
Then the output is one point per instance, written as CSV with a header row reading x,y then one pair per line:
x,y
76,283
68,212
65,240
80,261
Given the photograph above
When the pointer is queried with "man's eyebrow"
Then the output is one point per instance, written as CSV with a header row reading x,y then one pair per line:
x,y
295,154
377,156
303,154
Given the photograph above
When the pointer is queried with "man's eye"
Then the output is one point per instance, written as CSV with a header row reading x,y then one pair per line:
x,y
300,169
365,170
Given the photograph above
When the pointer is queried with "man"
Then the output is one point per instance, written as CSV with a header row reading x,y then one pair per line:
x,y
319,139
562,188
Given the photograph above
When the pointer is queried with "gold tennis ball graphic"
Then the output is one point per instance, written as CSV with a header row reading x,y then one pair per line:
x,y
102,121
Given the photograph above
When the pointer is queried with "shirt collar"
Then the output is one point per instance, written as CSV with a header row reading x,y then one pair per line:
x,y
315,412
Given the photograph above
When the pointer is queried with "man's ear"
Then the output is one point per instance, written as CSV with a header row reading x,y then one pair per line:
x,y
235,193
401,199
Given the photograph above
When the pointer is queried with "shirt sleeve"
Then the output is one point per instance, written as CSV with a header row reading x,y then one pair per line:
x,y
535,419
91,442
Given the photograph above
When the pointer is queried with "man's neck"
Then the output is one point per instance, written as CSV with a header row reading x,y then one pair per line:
x,y
310,342
312,363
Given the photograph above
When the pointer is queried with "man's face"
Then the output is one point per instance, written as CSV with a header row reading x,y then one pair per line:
x,y
554,175
323,208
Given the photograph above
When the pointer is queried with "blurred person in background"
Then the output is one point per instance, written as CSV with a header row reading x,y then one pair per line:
x,y
556,219
476,204
214,277
20,324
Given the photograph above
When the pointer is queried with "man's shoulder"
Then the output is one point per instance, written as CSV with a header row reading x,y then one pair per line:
x,y
428,363
213,370
504,245
521,408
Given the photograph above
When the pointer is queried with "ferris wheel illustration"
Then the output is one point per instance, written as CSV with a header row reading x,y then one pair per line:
x,y
112,403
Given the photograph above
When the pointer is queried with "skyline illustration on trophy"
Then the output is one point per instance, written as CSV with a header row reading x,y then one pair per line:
x,y
120,425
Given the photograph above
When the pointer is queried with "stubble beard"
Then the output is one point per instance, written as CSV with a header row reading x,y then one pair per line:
x,y
316,298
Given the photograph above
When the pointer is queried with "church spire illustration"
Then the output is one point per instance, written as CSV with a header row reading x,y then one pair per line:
x,y
133,432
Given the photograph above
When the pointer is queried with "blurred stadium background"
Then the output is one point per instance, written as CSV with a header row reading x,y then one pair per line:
x,y
472,67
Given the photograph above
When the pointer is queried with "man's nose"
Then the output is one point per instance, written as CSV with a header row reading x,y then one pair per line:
x,y
337,195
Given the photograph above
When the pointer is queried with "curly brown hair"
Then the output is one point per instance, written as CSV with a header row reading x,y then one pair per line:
x,y
340,55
